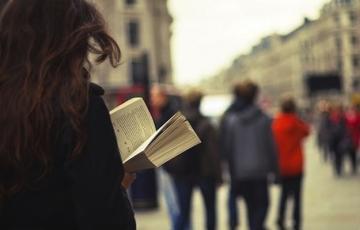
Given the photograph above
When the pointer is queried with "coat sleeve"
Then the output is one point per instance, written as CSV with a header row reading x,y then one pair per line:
x,y
211,144
304,129
225,138
95,178
272,148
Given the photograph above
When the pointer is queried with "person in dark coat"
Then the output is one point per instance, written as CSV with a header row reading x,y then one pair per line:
x,y
249,149
60,166
197,167
162,109
323,131
340,138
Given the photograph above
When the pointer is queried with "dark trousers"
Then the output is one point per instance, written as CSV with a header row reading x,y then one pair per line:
x,y
326,153
353,159
256,195
290,187
232,207
338,162
143,191
339,159
184,189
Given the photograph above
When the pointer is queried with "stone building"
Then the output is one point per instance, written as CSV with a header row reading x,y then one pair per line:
x,y
319,58
141,27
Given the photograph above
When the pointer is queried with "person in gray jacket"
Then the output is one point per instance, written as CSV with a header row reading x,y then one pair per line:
x,y
250,152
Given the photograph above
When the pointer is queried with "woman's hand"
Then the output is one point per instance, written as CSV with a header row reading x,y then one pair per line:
x,y
128,179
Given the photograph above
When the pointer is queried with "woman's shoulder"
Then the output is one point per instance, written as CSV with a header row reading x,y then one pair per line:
x,y
96,90
95,97
97,108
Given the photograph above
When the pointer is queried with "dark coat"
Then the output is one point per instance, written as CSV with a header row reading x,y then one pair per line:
x,y
248,144
340,138
82,194
324,130
203,160
165,114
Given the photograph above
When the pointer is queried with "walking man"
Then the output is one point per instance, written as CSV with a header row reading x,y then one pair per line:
x,y
250,152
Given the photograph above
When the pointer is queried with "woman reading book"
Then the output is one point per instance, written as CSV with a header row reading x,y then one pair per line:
x,y
59,162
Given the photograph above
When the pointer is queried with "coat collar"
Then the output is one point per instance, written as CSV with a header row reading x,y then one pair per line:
x,y
95,89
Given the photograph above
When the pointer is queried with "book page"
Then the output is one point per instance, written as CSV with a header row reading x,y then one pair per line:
x,y
174,140
139,160
132,124
137,163
174,151
153,138
142,147
180,136
176,146
173,130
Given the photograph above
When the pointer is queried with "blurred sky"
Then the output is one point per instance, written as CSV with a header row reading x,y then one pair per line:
x,y
209,34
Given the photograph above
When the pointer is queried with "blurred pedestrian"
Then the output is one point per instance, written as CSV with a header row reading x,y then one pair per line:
x,y
323,129
197,167
162,109
340,138
290,131
353,126
233,218
249,148
144,191
60,166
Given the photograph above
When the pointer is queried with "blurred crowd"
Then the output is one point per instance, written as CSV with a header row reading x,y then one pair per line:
x,y
338,134
247,148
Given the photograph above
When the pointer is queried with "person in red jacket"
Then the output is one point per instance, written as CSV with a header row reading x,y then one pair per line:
x,y
352,117
289,132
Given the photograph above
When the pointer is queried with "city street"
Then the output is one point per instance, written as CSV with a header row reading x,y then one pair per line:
x,y
330,203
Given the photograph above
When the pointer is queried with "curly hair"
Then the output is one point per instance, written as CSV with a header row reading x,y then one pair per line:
x,y
44,71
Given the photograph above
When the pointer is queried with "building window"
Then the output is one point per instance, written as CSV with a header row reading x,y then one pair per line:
x,y
339,65
356,61
136,72
133,33
162,74
356,83
352,17
338,43
354,40
130,2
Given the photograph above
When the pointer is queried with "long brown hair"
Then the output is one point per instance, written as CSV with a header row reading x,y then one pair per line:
x,y
44,71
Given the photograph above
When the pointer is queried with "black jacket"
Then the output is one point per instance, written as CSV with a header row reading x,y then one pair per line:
x,y
203,160
82,194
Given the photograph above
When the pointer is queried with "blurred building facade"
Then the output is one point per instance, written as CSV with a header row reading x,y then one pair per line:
x,y
320,57
141,27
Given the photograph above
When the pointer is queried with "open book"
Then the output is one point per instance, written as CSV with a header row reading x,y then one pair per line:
x,y
141,145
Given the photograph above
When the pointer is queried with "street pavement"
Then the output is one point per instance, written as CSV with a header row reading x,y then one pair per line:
x,y
329,202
